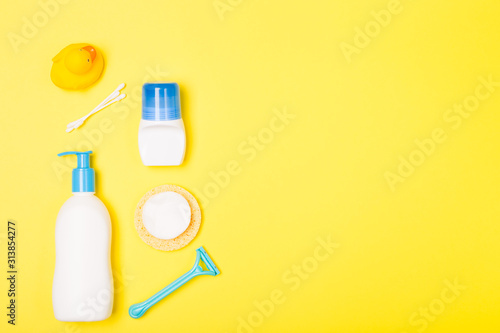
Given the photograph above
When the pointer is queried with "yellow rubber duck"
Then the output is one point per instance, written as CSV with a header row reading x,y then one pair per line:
x,y
77,66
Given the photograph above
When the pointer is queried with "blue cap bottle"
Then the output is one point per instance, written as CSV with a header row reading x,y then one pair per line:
x,y
162,137
83,174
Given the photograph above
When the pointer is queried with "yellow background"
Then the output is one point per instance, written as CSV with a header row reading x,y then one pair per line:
x,y
321,175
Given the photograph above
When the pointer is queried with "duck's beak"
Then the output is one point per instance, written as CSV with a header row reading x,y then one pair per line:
x,y
90,49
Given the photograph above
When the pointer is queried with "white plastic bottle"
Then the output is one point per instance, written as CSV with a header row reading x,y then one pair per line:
x,y
162,138
83,283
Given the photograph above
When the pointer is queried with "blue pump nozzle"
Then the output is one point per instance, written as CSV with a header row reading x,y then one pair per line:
x,y
83,174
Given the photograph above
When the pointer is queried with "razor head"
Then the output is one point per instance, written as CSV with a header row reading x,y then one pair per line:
x,y
205,258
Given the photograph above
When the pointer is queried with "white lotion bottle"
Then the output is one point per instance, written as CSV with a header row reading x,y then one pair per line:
x,y
162,138
82,289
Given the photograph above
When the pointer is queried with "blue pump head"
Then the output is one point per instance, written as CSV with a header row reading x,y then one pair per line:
x,y
83,175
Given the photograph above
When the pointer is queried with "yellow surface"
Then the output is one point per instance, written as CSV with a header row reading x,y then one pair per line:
x,y
358,107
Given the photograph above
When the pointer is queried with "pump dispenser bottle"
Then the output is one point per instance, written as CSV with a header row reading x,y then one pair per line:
x,y
82,289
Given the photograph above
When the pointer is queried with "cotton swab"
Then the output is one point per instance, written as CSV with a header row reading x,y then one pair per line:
x,y
113,95
82,120
112,98
79,122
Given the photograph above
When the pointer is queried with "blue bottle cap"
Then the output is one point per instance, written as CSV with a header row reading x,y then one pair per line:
x,y
161,101
83,175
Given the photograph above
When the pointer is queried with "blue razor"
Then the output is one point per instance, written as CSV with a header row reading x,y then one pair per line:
x,y
137,310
